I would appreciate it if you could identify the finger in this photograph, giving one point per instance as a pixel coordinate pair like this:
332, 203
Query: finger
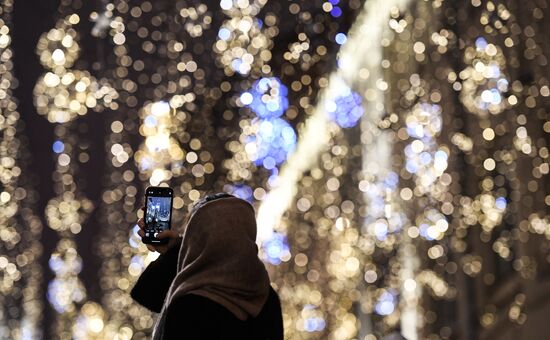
141, 223
151, 248
141, 233
141, 211
166, 234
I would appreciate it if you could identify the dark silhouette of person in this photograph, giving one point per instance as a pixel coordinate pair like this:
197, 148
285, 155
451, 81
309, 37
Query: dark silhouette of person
210, 283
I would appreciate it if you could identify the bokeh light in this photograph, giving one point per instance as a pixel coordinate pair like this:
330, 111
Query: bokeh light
396, 153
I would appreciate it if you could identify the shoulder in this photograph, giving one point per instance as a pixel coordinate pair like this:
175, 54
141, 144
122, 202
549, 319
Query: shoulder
195, 304
269, 323
200, 318
197, 310
188, 313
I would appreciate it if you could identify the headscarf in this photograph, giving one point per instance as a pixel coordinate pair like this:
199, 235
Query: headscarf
218, 260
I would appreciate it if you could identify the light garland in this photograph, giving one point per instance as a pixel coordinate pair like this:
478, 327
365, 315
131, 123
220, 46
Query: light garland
419, 170
20, 227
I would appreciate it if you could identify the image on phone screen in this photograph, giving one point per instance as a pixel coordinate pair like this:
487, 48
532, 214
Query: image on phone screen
157, 217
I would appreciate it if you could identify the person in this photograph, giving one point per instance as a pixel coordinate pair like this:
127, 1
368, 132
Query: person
210, 283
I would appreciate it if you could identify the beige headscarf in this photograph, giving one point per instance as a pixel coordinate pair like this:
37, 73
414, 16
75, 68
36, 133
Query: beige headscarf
218, 259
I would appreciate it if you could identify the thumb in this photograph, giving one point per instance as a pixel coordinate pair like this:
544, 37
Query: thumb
167, 234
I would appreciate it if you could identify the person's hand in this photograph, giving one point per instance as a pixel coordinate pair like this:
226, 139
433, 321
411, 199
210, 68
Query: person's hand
161, 248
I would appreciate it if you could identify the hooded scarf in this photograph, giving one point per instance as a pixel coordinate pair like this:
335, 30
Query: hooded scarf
218, 260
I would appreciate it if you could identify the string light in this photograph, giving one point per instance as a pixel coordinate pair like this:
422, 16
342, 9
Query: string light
63, 94
377, 139
20, 226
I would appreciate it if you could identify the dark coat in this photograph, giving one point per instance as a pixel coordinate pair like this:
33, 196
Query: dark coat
196, 317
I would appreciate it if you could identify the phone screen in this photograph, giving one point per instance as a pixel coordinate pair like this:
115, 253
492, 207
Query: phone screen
158, 213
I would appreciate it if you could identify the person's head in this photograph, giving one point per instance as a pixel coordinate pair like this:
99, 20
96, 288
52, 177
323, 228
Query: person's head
219, 257
208, 198
221, 213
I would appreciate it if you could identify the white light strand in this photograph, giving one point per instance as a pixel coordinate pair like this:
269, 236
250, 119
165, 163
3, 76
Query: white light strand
363, 50
356, 53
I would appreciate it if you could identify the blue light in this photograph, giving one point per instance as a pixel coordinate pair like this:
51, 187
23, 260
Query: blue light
133, 243
53, 288
336, 12
334, 2
150, 121
441, 156
58, 146
502, 84
346, 109
268, 98
381, 230
392, 180
314, 324
135, 234
224, 33
423, 228
481, 43
385, 304
275, 139
411, 166
137, 261
495, 96
494, 71
269, 163
425, 158
501, 203
415, 130
377, 205
56, 263
272, 180
340, 38
275, 248
146, 163
236, 64
242, 191
310, 324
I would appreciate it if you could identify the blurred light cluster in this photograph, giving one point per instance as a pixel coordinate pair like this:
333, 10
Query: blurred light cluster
267, 98
276, 249
243, 40
62, 93
270, 139
386, 303
332, 7
66, 289
440, 138
242, 191
432, 176
485, 85
21, 272
160, 148
67, 213
90, 324
345, 110
271, 143
427, 161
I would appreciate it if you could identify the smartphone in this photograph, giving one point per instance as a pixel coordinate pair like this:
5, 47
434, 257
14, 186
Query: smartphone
158, 213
